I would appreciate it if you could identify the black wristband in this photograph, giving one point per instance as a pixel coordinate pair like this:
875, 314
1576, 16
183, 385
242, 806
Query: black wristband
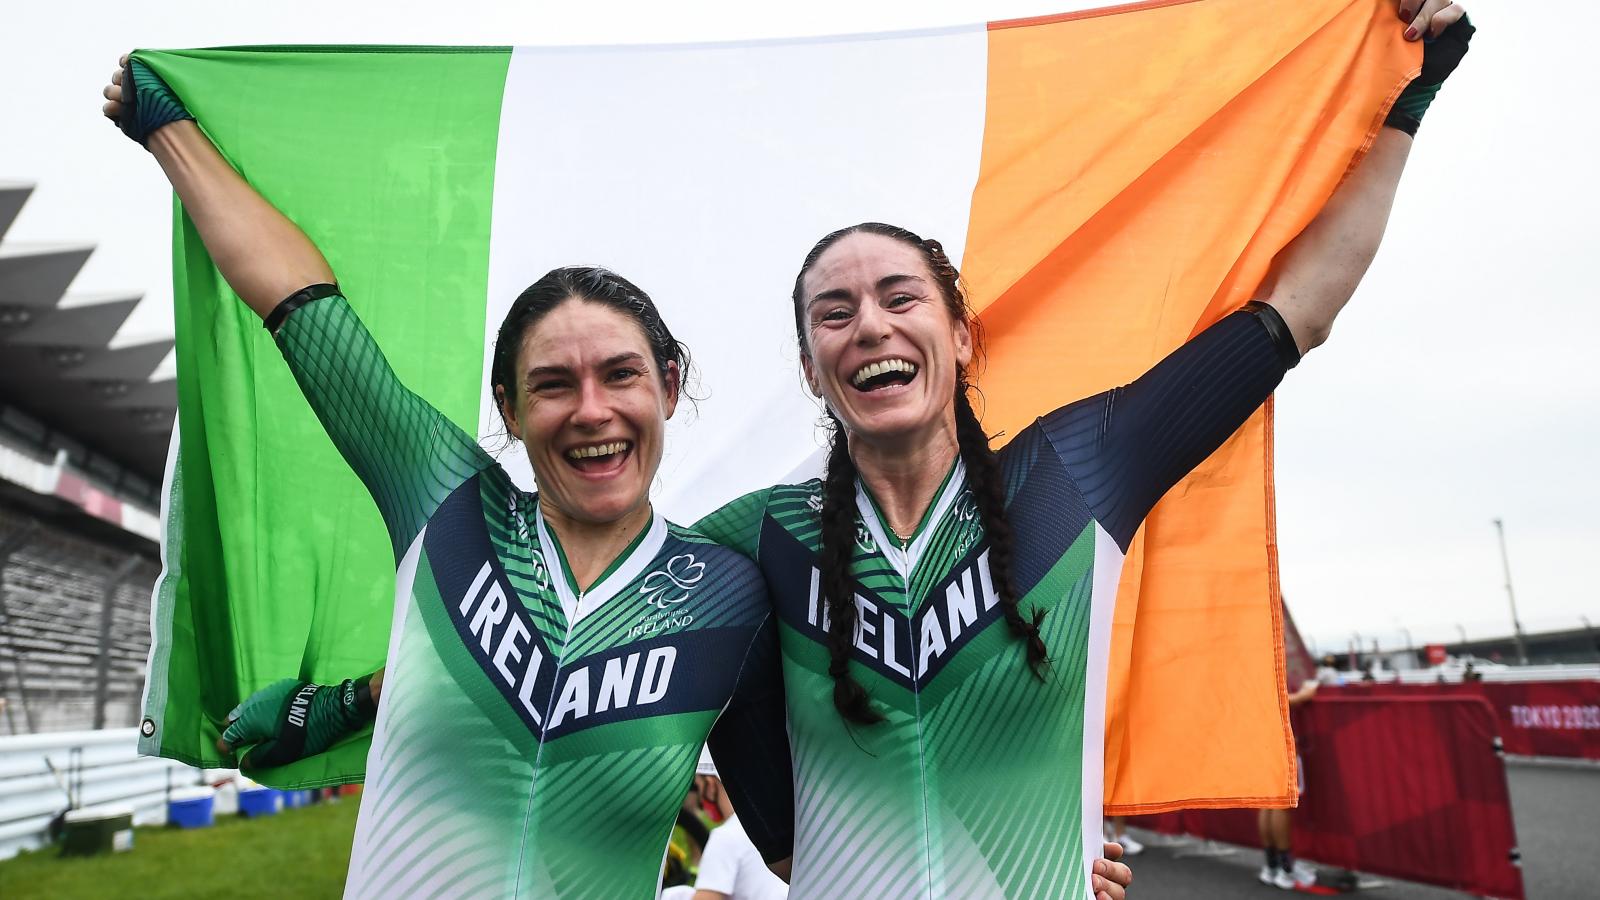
365, 706
294, 301
1277, 330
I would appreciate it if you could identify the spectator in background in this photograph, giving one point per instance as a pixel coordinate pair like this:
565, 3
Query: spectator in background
1116, 829
687, 841
1328, 671
730, 867
692, 819
1280, 869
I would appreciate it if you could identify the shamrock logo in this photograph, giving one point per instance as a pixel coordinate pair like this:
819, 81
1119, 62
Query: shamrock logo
671, 585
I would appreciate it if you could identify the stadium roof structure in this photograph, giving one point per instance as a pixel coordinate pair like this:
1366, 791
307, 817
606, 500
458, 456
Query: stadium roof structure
62, 384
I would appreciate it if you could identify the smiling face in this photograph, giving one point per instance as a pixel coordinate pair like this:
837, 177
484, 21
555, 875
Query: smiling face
882, 346
591, 409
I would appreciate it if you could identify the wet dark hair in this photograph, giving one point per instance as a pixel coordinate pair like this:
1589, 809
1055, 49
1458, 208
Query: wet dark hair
591, 284
838, 491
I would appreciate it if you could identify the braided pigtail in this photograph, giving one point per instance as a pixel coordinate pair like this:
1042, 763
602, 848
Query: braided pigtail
988, 490
838, 539
838, 501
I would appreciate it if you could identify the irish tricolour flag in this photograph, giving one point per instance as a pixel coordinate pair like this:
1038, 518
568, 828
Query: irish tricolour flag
1111, 180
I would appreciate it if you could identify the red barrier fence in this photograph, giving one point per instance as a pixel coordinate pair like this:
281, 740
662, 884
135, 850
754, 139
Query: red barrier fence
1537, 718
1406, 786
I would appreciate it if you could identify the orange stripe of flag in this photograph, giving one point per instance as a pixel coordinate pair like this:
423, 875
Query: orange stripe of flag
1141, 168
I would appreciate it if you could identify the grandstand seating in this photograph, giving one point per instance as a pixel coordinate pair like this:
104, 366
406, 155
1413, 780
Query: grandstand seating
49, 632
83, 437
63, 385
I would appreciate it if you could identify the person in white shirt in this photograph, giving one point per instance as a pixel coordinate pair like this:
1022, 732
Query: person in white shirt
730, 866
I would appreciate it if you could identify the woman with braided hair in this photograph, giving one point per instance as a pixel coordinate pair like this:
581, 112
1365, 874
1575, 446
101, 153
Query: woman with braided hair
934, 595
535, 737
547, 736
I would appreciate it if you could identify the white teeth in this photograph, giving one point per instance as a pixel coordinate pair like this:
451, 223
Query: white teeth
873, 370
597, 450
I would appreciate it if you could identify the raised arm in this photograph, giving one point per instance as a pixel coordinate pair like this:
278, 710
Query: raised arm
1316, 274
1126, 447
408, 454
264, 256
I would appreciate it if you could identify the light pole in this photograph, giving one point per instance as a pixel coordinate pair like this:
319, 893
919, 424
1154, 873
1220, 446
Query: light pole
1516, 623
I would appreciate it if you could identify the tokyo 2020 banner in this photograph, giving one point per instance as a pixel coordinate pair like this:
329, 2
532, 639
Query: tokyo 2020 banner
1536, 718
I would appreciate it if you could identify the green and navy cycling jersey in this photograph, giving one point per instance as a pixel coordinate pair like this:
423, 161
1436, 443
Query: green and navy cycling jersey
984, 780
534, 740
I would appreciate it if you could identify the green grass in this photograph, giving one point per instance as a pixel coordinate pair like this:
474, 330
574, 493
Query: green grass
297, 853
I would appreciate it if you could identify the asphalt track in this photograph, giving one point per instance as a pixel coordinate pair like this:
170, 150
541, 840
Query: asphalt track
1557, 810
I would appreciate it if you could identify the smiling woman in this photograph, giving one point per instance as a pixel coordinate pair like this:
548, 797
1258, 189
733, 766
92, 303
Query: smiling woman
566, 653
602, 376
971, 751
936, 595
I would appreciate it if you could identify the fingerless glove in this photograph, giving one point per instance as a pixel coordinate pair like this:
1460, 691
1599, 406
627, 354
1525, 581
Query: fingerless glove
1440, 56
292, 719
148, 102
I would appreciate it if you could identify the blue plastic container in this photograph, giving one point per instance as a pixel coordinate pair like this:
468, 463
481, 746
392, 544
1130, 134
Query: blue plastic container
260, 801
296, 799
192, 808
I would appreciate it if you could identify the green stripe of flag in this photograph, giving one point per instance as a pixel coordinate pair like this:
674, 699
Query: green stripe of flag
386, 158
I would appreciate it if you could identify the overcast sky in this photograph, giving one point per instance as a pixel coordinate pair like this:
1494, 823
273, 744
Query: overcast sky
1459, 386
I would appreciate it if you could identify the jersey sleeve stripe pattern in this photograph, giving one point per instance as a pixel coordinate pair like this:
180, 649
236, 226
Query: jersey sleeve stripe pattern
408, 454
1127, 447
737, 524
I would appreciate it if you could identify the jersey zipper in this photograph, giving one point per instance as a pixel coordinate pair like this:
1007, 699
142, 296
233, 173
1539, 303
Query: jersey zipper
916, 700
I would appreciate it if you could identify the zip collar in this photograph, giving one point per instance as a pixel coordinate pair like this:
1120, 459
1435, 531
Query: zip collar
904, 556
575, 604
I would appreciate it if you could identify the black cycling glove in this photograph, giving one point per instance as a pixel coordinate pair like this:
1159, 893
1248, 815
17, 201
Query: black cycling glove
1440, 56
148, 103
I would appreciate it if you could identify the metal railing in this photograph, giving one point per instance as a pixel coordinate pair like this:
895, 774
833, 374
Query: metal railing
43, 775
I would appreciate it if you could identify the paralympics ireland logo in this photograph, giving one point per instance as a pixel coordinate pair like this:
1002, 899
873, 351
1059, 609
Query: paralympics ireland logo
864, 539
966, 516
664, 588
